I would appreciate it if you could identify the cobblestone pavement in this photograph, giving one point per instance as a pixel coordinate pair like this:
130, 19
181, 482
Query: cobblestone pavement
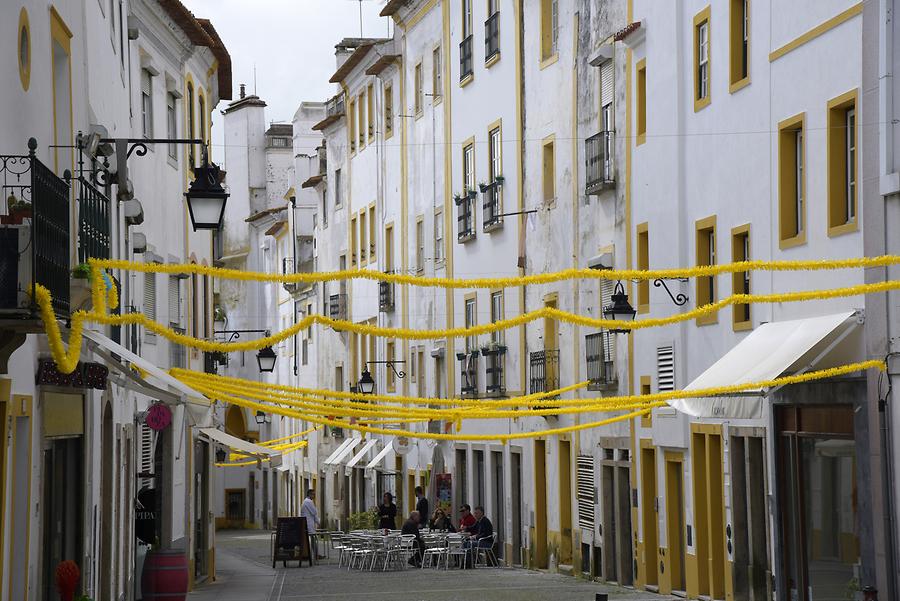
244, 573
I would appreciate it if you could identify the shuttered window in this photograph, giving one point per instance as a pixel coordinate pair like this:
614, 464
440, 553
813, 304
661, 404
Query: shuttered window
146, 454
607, 83
607, 288
586, 491
665, 368
174, 301
150, 302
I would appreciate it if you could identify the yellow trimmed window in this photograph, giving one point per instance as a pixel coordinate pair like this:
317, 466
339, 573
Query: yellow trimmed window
419, 94
390, 349
437, 76
640, 89
739, 44
420, 243
371, 232
706, 255
646, 389
352, 116
389, 248
361, 105
371, 106
353, 248
549, 171
842, 164
549, 29
388, 111
643, 263
363, 231
702, 71
740, 280
791, 182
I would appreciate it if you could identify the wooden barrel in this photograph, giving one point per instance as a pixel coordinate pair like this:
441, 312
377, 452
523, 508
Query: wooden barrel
165, 576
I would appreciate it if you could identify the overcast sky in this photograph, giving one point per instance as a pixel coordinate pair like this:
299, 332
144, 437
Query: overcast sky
289, 42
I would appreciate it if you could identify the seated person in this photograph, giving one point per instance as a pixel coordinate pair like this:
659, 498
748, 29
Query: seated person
411, 526
440, 521
483, 530
466, 519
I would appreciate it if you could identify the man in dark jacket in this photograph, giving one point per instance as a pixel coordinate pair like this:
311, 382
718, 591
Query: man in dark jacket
422, 507
411, 526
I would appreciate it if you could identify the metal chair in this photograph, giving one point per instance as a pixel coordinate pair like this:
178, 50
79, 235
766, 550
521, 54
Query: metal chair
435, 548
486, 553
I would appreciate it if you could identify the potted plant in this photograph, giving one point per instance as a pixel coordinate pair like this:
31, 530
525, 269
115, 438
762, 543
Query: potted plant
457, 199
483, 187
499, 179
473, 194
17, 211
80, 290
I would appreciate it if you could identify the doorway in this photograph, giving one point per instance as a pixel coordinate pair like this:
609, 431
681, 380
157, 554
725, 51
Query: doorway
201, 509
709, 508
516, 504
540, 504
675, 522
748, 516
499, 502
565, 502
649, 523
251, 497
63, 491
265, 499
107, 502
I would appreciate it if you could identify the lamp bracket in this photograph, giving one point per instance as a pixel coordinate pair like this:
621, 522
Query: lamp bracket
679, 299
400, 374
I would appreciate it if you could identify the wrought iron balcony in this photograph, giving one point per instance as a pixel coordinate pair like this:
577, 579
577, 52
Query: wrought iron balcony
544, 371
495, 384
176, 351
288, 267
465, 218
492, 207
34, 236
468, 370
598, 158
599, 357
465, 58
334, 106
492, 36
337, 306
93, 222
386, 296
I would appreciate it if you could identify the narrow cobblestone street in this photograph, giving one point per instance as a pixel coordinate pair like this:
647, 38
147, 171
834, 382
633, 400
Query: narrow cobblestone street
245, 574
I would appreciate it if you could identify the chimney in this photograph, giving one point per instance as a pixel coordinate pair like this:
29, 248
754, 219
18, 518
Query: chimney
243, 90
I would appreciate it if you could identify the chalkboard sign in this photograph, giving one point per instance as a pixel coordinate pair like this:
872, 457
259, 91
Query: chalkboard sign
291, 542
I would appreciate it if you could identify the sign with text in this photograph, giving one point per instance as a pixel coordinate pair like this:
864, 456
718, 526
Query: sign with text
85, 375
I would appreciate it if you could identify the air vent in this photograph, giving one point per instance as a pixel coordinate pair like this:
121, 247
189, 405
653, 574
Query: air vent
665, 368
585, 481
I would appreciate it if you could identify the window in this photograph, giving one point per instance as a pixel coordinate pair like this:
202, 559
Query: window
388, 111
842, 164
439, 236
492, 196
492, 33
389, 248
641, 102
468, 167
706, 255
371, 110
353, 248
62, 96
470, 321
467, 18
549, 29
150, 303
390, 347
549, 170
195, 302
419, 97
436, 75
191, 132
337, 189
371, 232
201, 116
413, 368
740, 280
739, 44
643, 263
352, 115
701, 59
361, 106
420, 243
324, 208
363, 245
497, 315
146, 103
495, 165
171, 124
791, 182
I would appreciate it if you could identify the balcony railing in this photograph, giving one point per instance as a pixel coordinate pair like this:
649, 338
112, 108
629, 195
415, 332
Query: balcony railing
289, 267
599, 358
93, 222
468, 371
598, 158
34, 239
492, 215
385, 296
337, 306
176, 351
494, 383
465, 58
335, 105
544, 371
465, 219
492, 36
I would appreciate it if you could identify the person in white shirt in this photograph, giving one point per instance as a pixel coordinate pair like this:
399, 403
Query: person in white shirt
308, 510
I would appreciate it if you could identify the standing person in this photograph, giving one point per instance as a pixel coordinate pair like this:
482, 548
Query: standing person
308, 510
411, 526
387, 513
466, 519
422, 507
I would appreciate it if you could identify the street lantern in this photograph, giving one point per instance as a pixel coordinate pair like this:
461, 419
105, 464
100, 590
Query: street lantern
366, 384
206, 198
620, 309
260, 417
221, 455
266, 358
220, 322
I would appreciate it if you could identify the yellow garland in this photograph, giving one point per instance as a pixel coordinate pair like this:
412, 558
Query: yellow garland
274, 441
507, 282
67, 360
236, 459
646, 402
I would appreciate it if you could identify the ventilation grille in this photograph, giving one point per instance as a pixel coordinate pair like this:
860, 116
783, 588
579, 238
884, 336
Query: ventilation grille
665, 368
146, 456
586, 490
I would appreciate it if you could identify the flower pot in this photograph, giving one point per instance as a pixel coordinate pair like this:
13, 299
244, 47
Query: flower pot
80, 294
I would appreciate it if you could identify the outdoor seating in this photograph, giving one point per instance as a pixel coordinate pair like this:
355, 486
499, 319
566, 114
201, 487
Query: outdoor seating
484, 552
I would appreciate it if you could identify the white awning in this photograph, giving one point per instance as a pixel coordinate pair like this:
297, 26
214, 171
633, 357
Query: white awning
339, 452
766, 353
381, 455
242, 446
365, 449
